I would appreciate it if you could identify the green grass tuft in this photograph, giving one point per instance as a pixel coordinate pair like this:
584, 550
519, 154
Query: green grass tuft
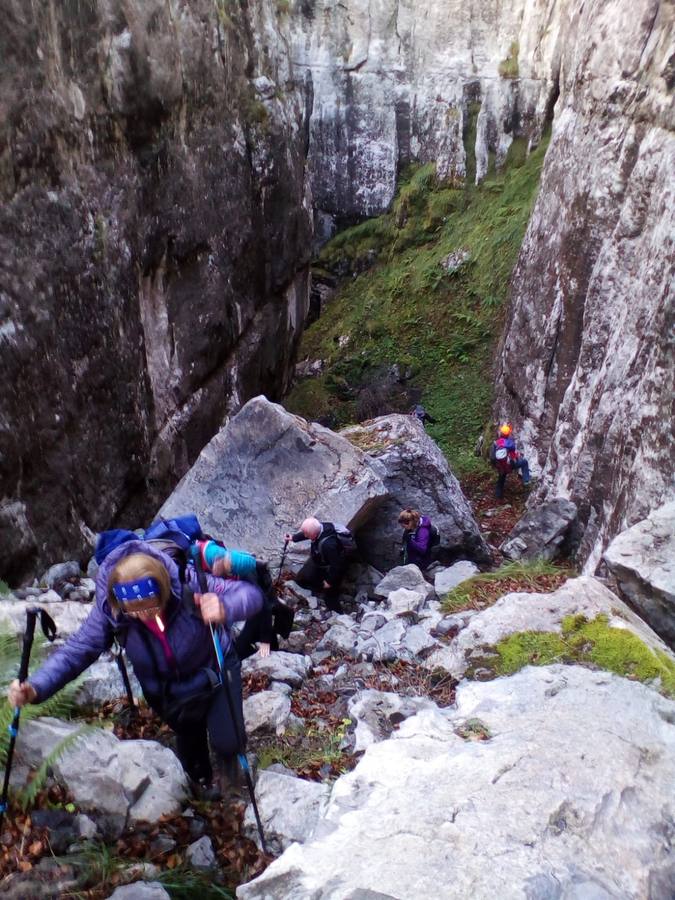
586, 642
509, 67
526, 574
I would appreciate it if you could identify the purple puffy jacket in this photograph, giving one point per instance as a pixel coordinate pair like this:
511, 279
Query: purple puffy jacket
186, 633
417, 543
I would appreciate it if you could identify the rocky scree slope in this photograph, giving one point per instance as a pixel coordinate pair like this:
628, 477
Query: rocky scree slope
153, 234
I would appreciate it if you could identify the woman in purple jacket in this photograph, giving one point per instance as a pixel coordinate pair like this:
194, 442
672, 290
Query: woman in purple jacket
139, 601
416, 538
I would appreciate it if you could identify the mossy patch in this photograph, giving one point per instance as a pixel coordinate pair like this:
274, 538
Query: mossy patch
593, 643
473, 730
508, 68
406, 311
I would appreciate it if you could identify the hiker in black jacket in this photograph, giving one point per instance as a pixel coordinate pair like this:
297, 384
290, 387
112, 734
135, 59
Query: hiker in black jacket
325, 568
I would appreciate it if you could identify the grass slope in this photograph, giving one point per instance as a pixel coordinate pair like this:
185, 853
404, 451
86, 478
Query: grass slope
407, 310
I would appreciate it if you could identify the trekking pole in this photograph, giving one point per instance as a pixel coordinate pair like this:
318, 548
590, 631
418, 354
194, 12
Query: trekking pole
49, 629
283, 559
243, 761
125, 679
225, 678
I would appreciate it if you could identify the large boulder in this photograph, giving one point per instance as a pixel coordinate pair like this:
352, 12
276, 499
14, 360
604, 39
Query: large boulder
416, 474
546, 532
266, 470
122, 781
517, 612
568, 795
642, 559
289, 808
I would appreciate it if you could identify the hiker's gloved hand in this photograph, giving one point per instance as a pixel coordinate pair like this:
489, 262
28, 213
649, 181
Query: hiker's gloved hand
326, 586
264, 649
21, 694
212, 610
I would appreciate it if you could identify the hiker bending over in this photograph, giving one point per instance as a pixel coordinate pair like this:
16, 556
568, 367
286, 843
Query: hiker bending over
329, 558
418, 538
260, 632
505, 457
420, 413
140, 601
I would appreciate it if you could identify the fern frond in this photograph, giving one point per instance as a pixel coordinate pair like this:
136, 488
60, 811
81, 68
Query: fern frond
29, 793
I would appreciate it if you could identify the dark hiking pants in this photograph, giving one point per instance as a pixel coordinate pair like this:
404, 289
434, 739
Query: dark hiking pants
218, 729
312, 577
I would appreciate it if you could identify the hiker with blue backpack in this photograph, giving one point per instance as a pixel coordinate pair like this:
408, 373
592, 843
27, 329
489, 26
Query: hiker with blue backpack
174, 624
420, 537
330, 553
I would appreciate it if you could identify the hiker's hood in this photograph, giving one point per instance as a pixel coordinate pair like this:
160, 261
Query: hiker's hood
124, 550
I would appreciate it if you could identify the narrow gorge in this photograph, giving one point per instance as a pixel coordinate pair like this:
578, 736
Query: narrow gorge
240, 242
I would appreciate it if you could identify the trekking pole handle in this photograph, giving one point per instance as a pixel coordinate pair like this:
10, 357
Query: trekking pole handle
28, 636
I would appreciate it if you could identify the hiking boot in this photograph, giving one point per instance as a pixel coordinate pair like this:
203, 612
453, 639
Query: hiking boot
206, 790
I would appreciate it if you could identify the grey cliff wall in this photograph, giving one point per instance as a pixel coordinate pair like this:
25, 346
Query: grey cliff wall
586, 363
397, 80
154, 236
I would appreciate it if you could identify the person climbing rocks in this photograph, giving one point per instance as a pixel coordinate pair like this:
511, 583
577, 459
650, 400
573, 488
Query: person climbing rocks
140, 602
260, 632
506, 458
330, 553
419, 538
420, 413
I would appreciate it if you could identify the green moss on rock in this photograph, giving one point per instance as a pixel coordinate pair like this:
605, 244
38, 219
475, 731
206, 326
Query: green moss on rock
593, 643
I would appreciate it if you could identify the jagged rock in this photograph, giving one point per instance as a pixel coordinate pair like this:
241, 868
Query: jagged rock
289, 808
296, 469
447, 579
266, 712
67, 615
57, 574
642, 559
290, 668
201, 854
378, 713
140, 890
416, 642
408, 577
134, 780
541, 612
102, 682
382, 645
574, 775
416, 474
403, 600
545, 532
455, 260
339, 638
584, 368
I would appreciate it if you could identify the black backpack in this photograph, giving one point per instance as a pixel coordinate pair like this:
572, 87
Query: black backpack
435, 538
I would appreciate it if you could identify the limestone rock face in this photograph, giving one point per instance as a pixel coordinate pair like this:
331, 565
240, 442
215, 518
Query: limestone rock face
585, 366
545, 532
400, 80
415, 474
266, 471
575, 774
154, 232
642, 559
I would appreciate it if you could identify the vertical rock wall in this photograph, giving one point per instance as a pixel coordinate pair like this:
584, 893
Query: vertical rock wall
586, 363
154, 236
397, 80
